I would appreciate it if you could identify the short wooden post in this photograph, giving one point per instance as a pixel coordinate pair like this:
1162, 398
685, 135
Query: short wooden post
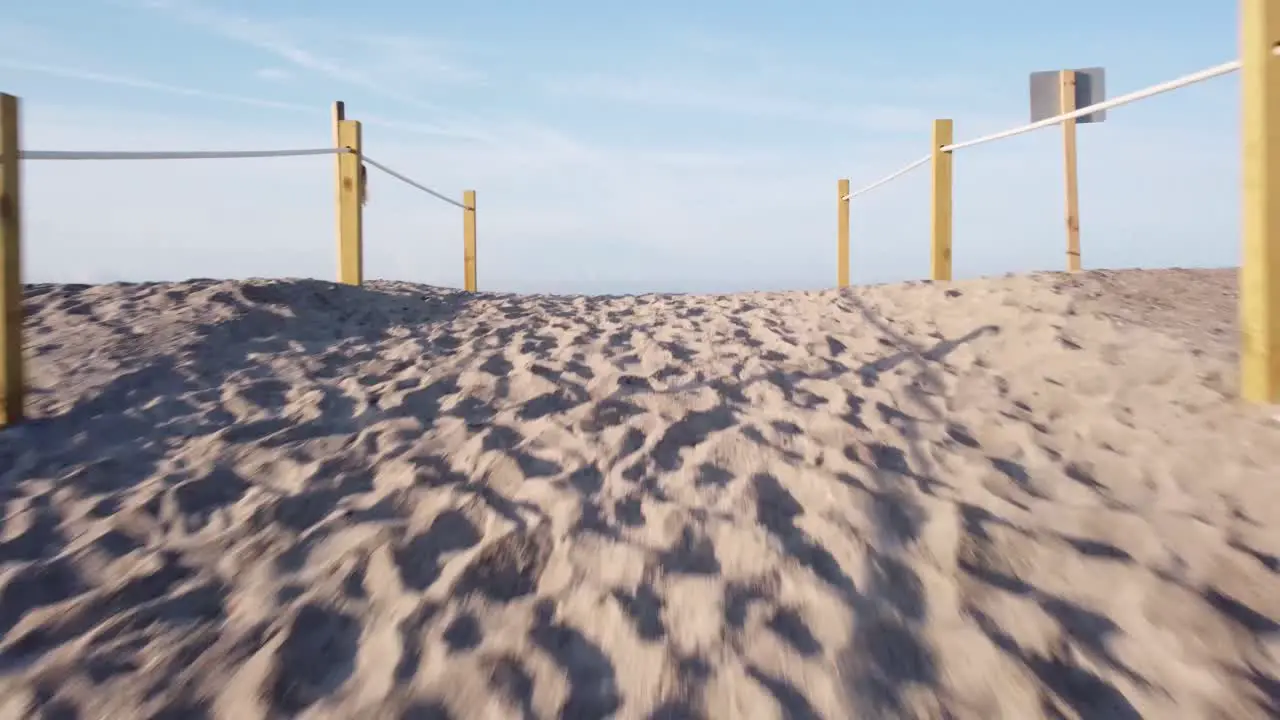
350, 209
12, 377
842, 233
1067, 94
940, 211
469, 240
1260, 264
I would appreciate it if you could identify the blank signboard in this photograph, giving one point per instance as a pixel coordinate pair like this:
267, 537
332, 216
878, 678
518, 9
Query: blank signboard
1046, 100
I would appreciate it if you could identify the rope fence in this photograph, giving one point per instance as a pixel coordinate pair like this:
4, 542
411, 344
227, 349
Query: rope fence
351, 182
411, 183
1259, 65
171, 155
1186, 80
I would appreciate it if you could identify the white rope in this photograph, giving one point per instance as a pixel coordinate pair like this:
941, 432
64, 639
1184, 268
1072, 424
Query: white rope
407, 181
1207, 74
1213, 72
176, 155
887, 178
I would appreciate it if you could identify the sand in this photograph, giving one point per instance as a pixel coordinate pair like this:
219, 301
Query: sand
1014, 498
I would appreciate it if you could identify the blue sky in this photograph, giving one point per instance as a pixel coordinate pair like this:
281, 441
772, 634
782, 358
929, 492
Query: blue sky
614, 147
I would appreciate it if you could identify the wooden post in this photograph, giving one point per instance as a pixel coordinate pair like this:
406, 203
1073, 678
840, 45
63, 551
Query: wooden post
1067, 94
842, 234
12, 389
1260, 265
940, 212
469, 240
350, 210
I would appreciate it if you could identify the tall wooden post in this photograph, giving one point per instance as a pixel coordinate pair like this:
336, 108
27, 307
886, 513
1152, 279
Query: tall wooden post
842, 233
350, 208
1067, 93
469, 240
12, 377
1260, 264
940, 207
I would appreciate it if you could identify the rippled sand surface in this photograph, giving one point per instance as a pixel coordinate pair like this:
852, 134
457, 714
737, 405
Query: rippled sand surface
1012, 498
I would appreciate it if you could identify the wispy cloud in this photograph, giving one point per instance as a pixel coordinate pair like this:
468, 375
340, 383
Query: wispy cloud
102, 78
743, 70
410, 60
33, 40
273, 74
370, 71
662, 93
395, 67
137, 83
727, 74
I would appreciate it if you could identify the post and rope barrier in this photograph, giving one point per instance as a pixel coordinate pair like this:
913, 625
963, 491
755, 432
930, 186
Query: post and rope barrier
351, 196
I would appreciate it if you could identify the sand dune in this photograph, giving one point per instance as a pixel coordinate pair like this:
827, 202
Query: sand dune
1015, 498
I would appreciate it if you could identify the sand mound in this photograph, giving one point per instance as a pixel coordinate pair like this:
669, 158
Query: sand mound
1015, 498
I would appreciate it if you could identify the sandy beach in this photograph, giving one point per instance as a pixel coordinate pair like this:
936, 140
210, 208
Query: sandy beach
1024, 497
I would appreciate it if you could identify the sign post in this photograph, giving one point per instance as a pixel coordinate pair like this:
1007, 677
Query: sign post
1056, 93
